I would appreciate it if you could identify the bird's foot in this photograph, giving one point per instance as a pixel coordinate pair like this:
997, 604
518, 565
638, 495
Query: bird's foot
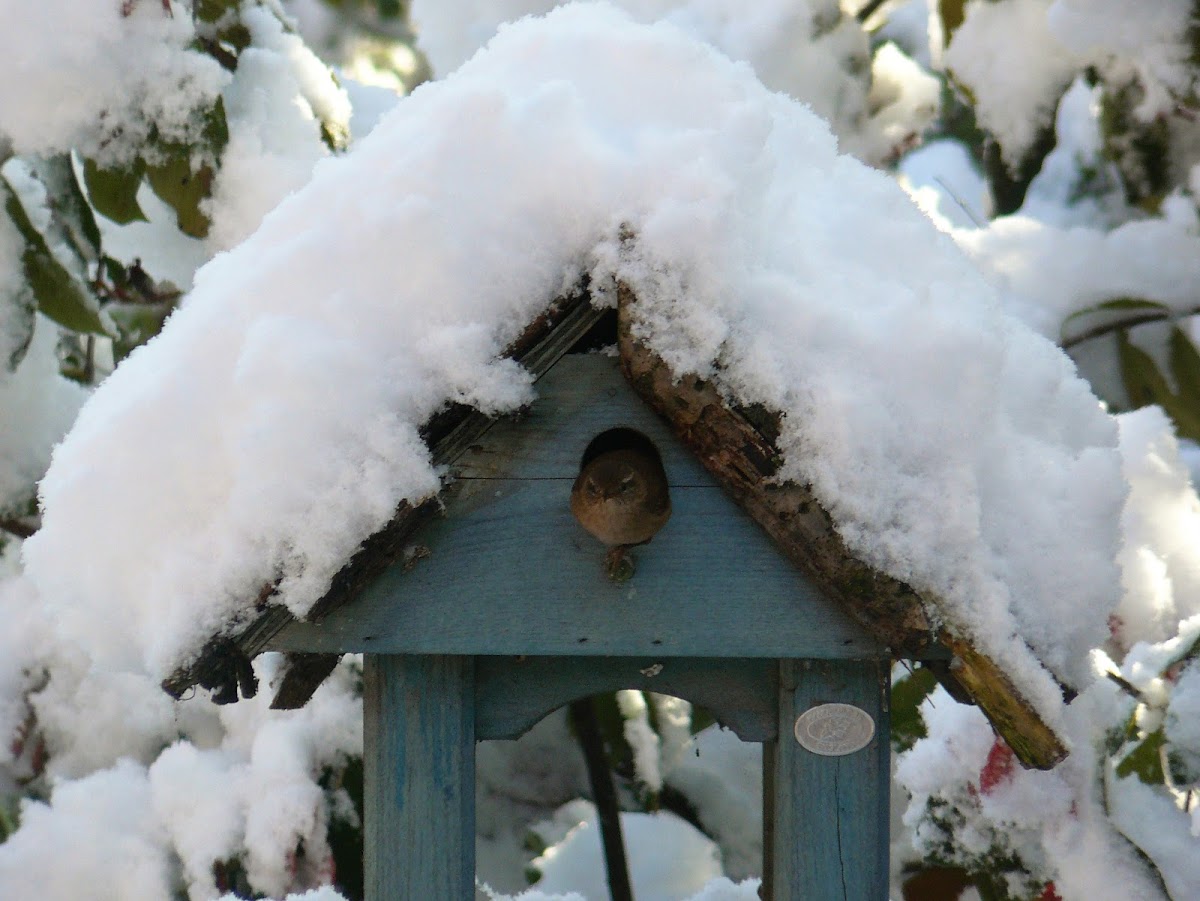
619, 564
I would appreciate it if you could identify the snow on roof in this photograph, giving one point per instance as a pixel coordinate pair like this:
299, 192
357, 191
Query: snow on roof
274, 424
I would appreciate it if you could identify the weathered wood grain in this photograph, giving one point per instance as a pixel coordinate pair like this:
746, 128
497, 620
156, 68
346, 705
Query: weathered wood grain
419, 778
737, 446
512, 572
827, 834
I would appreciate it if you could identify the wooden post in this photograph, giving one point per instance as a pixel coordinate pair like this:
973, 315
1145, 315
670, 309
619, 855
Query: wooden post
419, 777
826, 817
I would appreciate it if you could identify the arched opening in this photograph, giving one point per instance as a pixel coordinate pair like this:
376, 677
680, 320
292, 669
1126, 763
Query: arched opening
689, 791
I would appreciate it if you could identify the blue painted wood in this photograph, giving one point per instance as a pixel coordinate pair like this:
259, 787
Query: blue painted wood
583, 395
512, 694
510, 571
827, 826
419, 772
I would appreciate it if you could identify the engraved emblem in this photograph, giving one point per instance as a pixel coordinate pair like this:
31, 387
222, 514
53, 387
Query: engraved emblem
833, 730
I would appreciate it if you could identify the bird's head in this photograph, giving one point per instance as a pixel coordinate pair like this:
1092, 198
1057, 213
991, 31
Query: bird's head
613, 480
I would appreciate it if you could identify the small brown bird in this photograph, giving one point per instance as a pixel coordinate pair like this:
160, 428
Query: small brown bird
621, 494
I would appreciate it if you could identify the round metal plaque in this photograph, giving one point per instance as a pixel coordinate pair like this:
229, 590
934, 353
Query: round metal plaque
834, 729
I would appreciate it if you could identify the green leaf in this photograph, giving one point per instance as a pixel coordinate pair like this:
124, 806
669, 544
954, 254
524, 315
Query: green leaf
389, 9
60, 295
1146, 385
211, 11
9, 818
114, 191
183, 190
136, 324
951, 13
1143, 382
1185, 369
1145, 760
907, 695
216, 129
184, 186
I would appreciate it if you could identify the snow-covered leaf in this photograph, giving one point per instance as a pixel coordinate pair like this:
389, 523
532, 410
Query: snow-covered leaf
1145, 760
60, 295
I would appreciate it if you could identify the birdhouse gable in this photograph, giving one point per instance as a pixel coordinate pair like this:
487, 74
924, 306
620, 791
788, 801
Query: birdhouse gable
506, 569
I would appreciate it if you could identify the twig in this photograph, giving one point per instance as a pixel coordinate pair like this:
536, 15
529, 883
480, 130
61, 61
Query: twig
1126, 686
962, 205
583, 713
869, 10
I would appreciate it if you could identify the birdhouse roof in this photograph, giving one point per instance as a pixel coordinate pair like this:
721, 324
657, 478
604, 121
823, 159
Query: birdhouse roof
295, 411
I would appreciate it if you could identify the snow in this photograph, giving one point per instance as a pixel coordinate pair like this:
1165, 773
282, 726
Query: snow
669, 859
811, 50
945, 184
37, 405
722, 777
324, 893
1053, 822
275, 104
1077, 185
1160, 554
916, 28
274, 425
107, 820
1155, 40
1014, 68
1047, 272
1155, 824
978, 447
1017, 57
76, 58
904, 99
642, 738
188, 782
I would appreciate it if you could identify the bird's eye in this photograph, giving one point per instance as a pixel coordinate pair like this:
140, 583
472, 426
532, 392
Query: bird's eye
627, 484
592, 488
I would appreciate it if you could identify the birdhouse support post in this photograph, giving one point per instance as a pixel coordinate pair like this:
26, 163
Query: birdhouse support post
825, 828
419, 776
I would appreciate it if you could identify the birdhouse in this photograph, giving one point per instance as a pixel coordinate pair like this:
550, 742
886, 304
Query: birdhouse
502, 609
480, 611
